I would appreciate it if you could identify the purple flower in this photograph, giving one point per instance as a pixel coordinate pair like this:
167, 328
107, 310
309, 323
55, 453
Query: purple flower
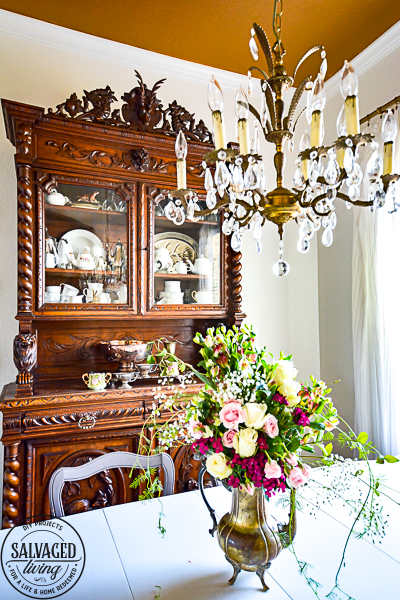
300, 417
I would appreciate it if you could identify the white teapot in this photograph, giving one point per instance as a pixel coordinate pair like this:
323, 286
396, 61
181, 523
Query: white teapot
201, 266
162, 259
55, 198
85, 260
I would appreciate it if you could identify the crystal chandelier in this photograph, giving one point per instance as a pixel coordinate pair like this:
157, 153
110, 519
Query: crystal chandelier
236, 186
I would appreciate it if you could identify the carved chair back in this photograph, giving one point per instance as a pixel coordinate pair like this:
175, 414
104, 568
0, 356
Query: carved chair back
112, 460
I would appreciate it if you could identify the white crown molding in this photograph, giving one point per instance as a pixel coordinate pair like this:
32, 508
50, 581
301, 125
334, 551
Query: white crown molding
384, 45
54, 36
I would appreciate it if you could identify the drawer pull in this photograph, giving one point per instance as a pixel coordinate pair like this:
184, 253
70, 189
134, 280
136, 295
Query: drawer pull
88, 421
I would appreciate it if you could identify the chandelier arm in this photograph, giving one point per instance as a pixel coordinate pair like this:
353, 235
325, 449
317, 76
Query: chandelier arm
255, 112
265, 45
263, 73
295, 100
305, 56
297, 120
354, 202
270, 103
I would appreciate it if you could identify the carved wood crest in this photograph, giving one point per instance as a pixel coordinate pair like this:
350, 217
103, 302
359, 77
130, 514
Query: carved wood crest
141, 111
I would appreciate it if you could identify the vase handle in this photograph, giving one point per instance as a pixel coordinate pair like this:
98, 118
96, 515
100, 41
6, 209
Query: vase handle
290, 527
210, 510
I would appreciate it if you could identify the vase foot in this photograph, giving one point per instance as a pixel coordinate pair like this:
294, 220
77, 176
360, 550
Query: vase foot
236, 570
260, 572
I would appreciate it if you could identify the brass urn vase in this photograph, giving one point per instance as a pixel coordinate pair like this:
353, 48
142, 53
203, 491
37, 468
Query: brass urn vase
247, 539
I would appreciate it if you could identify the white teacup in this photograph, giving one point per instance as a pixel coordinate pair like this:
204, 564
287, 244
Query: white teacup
89, 294
105, 298
76, 299
53, 289
69, 290
202, 297
51, 297
181, 268
51, 260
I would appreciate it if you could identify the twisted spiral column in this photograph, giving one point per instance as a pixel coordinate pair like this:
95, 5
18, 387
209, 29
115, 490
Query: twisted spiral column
25, 238
11, 486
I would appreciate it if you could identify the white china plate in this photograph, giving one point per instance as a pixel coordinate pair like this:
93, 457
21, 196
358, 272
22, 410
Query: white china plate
182, 245
81, 238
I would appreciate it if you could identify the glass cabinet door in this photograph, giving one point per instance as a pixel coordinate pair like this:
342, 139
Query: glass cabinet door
85, 250
187, 259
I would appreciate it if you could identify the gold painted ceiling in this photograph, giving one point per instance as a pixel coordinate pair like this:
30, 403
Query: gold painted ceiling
216, 32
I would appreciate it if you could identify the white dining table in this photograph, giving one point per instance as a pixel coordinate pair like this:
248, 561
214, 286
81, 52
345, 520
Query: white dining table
127, 557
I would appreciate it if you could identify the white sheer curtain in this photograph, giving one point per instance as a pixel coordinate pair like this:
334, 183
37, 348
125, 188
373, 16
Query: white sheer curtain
376, 319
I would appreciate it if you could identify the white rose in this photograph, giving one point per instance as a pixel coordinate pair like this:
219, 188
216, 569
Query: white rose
285, 369
245, 442
255, 415
290, 390
217, 467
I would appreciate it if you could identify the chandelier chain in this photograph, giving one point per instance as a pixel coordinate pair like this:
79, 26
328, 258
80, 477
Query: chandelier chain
277, 20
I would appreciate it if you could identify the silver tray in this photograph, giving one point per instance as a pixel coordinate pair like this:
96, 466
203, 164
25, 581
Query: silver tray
177, 243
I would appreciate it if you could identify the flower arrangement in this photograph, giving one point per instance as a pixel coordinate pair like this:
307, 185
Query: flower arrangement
254, 417
256, 426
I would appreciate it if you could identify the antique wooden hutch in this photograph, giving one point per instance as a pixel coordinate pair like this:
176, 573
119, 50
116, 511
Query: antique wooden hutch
123, 163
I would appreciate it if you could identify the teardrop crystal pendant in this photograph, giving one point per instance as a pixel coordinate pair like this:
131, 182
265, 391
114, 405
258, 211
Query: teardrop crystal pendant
251, 177
332, 171
323, 68
249, 85
253, 48
222, 177
236, 241
237, 179
298, 179
306, 230
348, 160
332, 220
240, 211
211, 199
281, 268
356, 176
354, 192
208, 180
375, 166
314, 173
257, 232
190, 210
291, 145
303, 245
179, 216
349, 205
263, 111
170, 210
227, 226
327, 237
259, 246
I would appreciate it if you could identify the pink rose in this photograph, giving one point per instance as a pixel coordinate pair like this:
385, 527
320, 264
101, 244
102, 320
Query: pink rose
297, 477
272, 470
306, 471
292, 460
231, 415
239, 400
271, 426
195, 428
227, 438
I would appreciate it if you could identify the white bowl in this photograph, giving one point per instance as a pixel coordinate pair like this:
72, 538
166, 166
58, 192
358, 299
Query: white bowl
69, 290
53, 289
172, 286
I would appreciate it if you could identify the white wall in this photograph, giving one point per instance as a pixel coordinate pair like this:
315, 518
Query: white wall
378, 68
42, 64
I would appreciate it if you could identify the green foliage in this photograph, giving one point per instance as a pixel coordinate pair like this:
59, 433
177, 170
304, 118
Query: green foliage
157, 595
362, 437
148, 477
391, 459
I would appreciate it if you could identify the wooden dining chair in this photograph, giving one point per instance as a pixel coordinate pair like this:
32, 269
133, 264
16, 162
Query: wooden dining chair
113, 460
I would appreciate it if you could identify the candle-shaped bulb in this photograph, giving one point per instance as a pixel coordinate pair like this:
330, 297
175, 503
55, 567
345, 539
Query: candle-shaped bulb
215, 97
341, 123
318, 98
389, 127
349, 81
241, 104
305, 141
180, 145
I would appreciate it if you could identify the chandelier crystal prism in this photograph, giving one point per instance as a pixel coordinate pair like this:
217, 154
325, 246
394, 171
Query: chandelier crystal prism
234, 178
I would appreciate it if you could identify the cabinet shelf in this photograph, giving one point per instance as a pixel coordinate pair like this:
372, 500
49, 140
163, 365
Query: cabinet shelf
74, 272
80, 210
163, 220
175, 276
